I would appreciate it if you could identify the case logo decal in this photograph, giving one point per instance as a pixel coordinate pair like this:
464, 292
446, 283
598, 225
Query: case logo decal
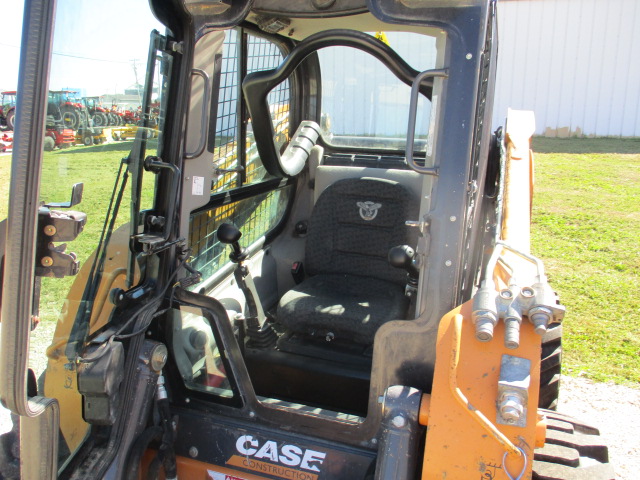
368, 210
285, 461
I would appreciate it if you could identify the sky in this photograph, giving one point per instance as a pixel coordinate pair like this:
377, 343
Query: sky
95, 48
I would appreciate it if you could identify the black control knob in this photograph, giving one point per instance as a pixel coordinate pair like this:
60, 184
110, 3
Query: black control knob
402, 257
230, 234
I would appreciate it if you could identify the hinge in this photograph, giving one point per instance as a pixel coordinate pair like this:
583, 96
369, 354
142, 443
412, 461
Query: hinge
177, 47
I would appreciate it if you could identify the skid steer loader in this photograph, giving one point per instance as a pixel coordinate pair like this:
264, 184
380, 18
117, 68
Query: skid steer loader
319, 270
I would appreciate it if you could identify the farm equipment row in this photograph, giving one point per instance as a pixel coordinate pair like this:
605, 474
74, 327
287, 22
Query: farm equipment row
72, 120
72, 109
76, 112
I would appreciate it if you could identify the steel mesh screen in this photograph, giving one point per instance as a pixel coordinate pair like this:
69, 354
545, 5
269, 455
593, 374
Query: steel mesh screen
225, 154
262, 54
259, 214
254, 216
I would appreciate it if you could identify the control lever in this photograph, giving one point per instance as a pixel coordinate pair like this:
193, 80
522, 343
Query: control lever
259, 331
402, 256
230, 235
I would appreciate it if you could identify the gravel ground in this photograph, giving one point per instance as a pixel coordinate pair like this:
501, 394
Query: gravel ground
614, 409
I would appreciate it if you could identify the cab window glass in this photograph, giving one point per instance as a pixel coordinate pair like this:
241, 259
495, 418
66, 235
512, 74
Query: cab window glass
364, 104
94, 119
198, 353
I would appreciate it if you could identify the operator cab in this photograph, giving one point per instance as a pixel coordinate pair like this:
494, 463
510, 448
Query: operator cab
308, 294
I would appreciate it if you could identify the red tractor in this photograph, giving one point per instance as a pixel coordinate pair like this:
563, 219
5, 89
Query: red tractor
98, 113
116, 116
7, 110
64, 106
131, 115
57, 134
6, 141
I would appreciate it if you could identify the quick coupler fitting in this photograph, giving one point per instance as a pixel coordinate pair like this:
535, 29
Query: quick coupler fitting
540, 317
485, 315
485, 324
512, 323
161, 392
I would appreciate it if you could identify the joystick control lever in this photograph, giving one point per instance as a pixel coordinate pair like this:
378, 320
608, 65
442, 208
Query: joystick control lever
258, 331
230, 235
402, 257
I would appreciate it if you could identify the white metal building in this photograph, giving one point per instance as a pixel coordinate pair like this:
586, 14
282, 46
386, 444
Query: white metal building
575, 63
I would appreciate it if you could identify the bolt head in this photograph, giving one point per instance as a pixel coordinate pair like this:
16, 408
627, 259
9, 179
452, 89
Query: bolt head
159, 357
398, 421
541, 329
511, 408
46, 261
50, 230
193, 452
540, 317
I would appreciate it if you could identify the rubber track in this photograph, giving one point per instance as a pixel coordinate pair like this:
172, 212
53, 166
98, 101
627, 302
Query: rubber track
573, 451
551, 364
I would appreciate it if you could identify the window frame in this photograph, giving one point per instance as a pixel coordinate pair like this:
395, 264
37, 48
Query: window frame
242, 112
332, 148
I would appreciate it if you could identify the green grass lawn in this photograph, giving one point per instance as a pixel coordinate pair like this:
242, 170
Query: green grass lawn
586, 227
97, 168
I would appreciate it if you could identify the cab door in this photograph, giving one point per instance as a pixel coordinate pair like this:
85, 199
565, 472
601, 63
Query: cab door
62, 209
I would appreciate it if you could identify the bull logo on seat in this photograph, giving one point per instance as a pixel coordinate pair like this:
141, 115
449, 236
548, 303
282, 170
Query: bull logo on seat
368, 210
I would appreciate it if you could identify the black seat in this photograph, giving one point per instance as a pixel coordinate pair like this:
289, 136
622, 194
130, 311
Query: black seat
352, 289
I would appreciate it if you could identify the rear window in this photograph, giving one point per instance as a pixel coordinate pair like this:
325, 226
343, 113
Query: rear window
364, 104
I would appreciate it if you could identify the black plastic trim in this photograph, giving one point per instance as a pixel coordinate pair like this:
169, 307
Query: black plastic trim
242, 193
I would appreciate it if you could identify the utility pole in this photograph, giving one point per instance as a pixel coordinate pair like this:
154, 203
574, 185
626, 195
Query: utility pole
135, 73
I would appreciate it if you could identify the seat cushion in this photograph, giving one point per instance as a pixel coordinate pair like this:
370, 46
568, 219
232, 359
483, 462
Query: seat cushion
349, 306
354, 224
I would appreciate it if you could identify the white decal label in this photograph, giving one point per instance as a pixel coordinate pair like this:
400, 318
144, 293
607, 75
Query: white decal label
211, 475
197, 186
263, 457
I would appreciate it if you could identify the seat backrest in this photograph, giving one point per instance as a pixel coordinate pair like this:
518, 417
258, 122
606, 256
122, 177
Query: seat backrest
354, 224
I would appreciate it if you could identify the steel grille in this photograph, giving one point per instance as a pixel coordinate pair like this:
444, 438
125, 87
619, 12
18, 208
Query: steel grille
259, 214
254, 216
225, 154
262, 54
